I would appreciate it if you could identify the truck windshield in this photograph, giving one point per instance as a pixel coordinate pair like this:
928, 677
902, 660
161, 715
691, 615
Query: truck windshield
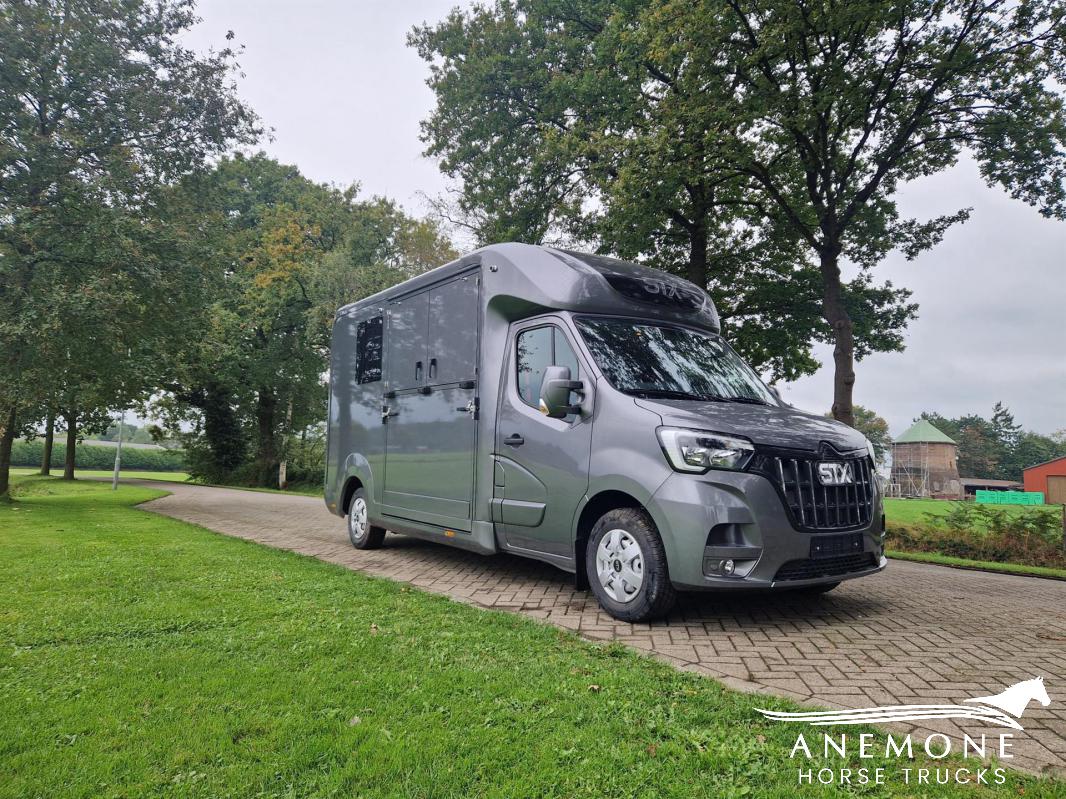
651, 360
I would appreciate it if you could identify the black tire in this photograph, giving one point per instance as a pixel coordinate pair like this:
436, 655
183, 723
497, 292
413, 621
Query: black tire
817, 590
370, 537
655, 596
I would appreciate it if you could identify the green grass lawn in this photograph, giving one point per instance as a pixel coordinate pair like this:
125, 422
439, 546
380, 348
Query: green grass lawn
142, 656
913, 511
170, 477
127, 474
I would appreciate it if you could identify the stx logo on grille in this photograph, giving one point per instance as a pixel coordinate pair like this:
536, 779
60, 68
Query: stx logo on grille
834, 473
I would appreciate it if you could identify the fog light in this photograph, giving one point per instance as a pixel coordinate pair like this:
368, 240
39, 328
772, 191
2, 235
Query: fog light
727, 567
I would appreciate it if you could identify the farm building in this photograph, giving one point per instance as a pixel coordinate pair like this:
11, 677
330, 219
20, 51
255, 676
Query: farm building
1049, 478
971, 485
925, 464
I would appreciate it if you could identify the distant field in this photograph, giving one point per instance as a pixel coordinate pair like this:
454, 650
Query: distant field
912, 511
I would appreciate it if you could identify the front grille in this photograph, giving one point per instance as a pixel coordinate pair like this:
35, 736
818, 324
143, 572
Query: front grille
826, 567
815, 507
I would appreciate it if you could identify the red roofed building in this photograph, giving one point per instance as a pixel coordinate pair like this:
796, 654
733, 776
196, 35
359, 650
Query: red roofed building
1049, 478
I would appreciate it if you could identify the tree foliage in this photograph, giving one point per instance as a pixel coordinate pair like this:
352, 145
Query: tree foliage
875, 428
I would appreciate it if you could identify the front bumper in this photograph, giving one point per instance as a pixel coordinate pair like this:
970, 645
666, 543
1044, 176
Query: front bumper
706, 519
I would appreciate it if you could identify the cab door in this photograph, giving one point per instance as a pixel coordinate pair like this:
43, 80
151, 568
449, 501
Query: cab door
542, 464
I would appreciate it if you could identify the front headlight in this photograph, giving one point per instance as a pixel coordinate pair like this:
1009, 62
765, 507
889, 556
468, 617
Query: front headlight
870, 449
700, 450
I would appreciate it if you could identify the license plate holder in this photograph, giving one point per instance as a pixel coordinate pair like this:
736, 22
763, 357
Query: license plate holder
832, 546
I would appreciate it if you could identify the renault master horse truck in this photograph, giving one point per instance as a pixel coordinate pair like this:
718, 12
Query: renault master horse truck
586, 412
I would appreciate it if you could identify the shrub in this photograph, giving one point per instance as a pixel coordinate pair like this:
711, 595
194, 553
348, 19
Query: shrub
88, 456
307, 457
305, 453
1031, 536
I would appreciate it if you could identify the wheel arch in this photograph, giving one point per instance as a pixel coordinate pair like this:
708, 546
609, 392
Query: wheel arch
597, 505
351, 485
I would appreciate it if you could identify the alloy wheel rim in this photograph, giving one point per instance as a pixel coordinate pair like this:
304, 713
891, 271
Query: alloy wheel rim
357, 519
620, 565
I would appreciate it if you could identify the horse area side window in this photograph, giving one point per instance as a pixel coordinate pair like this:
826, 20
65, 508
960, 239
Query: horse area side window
368, 347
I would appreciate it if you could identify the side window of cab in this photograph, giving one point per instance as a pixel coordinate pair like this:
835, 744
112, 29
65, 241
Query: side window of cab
535, 350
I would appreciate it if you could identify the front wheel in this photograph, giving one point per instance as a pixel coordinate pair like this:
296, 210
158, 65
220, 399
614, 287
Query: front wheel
360, 531
626, 565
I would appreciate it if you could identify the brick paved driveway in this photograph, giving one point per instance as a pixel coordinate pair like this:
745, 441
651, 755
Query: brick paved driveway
913, 634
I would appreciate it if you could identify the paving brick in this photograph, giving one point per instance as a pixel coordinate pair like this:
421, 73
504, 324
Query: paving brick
915, 634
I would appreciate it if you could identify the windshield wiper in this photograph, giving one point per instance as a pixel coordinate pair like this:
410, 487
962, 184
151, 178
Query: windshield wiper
745, 400
672, 394
665, 393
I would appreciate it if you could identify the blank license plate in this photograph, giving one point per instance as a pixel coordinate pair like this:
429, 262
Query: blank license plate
831, 546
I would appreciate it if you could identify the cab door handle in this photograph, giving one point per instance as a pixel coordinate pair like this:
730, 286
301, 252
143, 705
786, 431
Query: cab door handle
514, 440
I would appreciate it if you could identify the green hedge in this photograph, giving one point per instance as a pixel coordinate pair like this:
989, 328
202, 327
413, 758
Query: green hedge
87, 456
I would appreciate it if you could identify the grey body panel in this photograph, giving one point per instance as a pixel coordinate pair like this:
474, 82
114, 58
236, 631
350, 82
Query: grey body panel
429, 464
431, 356
356, 437
770, 426
451, 477
407, 322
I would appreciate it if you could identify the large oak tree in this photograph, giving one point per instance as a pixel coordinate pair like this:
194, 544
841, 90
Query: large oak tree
100, 106
282, 253
756, 146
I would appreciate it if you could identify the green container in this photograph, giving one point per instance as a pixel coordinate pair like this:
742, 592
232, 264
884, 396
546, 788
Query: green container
1010, 497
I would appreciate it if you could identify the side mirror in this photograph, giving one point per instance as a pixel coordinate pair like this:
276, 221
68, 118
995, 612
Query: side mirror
555, 388
777, 394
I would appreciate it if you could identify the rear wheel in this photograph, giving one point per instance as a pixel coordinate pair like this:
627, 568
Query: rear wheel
626, 566
360, 531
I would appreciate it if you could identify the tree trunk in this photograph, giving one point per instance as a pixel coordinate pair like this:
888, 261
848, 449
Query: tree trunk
283, 467
843, 338
221, 429
71, 418
7, 441
49, 443
267, 453
697, 258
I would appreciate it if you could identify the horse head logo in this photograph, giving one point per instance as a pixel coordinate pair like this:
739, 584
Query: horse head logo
1016, 699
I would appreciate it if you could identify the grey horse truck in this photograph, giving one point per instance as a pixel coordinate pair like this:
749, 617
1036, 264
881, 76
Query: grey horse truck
585, 411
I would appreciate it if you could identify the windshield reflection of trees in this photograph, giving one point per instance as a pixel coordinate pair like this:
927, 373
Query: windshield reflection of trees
648, 358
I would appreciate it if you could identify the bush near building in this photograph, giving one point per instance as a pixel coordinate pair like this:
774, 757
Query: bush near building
87, 456
1026, 536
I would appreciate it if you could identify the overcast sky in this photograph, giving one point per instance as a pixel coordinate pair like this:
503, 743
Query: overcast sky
344, 95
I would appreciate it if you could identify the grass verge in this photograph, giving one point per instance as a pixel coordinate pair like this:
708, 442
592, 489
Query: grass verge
979, 565
143, 656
